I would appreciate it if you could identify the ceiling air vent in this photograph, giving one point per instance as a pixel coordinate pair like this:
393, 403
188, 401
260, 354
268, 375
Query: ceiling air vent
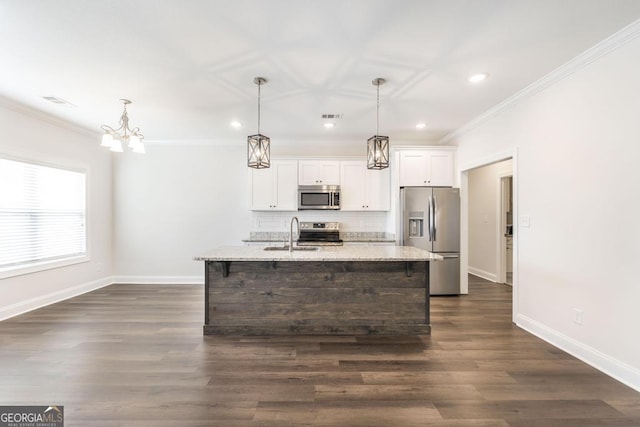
332, 116
59, 101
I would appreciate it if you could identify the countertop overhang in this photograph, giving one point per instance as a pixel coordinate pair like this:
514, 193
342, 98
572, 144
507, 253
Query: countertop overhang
325, 253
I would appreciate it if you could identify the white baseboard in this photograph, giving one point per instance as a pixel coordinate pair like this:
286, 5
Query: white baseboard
161, 280
483, 274
621, 371
52, 298
44, 300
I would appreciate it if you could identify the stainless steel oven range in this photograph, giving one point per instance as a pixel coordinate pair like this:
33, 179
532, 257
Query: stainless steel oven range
319, 234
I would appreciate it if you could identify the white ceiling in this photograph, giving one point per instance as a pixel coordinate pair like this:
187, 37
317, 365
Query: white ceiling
188, 66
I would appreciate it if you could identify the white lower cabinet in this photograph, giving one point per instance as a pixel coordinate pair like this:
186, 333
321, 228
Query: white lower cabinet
363, 189
509, 254
275, 188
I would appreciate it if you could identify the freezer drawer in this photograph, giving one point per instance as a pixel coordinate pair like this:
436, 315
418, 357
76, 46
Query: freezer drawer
444, 276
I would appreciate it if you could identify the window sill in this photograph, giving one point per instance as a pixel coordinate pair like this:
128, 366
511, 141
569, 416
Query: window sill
42, 266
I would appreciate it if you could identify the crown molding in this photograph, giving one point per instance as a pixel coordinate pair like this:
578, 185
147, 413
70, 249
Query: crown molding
32, 112
405, 147
611, 43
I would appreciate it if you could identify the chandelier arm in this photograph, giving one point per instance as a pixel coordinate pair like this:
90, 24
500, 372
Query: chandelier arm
136, 131
123, 126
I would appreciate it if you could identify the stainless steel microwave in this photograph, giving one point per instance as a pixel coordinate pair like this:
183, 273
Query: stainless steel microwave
318, 197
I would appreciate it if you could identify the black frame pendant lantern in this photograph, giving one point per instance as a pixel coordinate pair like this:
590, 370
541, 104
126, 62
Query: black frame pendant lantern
378, 145
258, 145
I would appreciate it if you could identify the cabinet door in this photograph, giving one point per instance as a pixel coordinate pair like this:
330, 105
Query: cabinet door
330, 173
378, 189
262, 189
362, 188
509, 254
308, 172
413, 168
285, 185
426, 168
440, 169
353, 186
319, 172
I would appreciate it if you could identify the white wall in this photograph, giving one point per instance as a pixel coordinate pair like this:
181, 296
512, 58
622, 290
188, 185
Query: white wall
30, 135
577, 175
181, 199
484, 218
175, 202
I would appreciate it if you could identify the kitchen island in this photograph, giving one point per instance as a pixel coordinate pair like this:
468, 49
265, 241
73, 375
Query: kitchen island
332, 290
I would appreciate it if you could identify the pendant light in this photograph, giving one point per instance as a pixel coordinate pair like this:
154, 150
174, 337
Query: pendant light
258, 145
377, 145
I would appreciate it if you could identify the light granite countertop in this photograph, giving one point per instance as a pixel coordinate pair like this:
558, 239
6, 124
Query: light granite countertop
325, 253
349, 236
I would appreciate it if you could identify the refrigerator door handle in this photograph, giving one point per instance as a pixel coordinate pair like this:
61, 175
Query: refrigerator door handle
430, 219
402, 217
435, 218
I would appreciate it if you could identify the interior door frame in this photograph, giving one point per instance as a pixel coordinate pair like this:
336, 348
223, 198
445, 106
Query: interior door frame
501, 258
463, 179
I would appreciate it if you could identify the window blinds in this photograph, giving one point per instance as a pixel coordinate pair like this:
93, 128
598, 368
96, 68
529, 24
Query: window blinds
42, 214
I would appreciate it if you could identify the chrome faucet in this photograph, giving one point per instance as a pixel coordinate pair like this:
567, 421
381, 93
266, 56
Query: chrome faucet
291, 232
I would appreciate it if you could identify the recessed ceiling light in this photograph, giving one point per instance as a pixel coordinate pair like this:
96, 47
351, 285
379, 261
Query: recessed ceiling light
477, 78
329, 125
421, 125
236, 124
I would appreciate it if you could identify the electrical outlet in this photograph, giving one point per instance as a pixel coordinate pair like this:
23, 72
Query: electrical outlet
577, 316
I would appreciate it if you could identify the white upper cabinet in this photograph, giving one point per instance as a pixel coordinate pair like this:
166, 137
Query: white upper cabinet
426, 168
319, 172
363, 189
275, 188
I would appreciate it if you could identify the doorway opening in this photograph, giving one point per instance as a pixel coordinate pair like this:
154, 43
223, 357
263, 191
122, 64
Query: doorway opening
488, 212
505, 257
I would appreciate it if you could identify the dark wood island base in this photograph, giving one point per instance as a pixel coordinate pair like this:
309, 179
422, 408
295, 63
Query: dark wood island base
316, 297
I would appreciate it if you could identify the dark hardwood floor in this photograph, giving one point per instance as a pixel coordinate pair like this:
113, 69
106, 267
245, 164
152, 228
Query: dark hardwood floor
134, 355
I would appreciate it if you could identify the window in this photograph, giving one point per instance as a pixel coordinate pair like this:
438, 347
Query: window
42, 216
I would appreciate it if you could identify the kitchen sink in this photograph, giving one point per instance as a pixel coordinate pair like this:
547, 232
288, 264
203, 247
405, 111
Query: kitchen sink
295, 248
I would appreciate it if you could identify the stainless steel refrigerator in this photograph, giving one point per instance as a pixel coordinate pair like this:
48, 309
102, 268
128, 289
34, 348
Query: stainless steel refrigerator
431, 221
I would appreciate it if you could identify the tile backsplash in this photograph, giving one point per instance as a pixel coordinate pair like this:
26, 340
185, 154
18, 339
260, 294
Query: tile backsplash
349, 221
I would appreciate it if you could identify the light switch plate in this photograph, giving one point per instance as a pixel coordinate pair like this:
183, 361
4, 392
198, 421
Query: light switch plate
525, 221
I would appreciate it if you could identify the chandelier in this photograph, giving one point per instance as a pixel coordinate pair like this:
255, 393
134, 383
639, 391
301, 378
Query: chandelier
114, 138
377, 145
258, 145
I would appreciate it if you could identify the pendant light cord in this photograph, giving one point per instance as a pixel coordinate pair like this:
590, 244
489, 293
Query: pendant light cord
259, 84
377, 108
